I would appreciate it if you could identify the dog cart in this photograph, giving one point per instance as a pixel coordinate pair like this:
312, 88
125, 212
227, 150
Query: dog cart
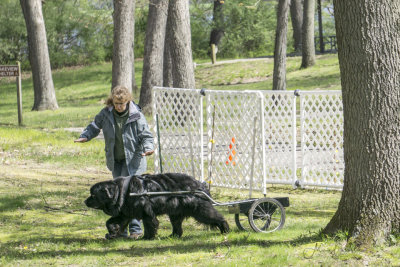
264, 215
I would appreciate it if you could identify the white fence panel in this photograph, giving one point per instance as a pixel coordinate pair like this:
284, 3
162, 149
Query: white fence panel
280, 136
234, 122
321, 116
254, 137
180, 123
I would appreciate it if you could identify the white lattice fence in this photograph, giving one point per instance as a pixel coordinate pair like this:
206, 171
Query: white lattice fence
254, 137
233, 123
321, 116
180, 121
280, 137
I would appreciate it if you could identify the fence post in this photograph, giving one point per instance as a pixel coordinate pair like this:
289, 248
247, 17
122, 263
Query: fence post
262, 130
295, 179
19, 94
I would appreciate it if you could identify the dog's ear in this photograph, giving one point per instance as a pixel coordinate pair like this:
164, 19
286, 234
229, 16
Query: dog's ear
114, 193
110, 192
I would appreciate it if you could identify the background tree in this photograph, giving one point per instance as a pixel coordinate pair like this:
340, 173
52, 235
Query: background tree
153, 52
13, 37
217, 31
123, 39
135, 88
167, 64
45, 96
180, 45
79, 32
249, 28
320, 29
279, 80
368, 37
308, 49
296, 14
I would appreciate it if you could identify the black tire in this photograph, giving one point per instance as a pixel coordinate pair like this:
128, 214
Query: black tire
242, 222
266, 215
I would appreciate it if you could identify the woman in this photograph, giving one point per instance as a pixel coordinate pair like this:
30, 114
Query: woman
127, 139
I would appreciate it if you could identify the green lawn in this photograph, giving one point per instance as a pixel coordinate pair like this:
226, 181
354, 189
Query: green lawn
45, 177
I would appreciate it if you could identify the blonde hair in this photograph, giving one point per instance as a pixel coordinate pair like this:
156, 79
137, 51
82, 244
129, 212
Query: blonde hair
120, 93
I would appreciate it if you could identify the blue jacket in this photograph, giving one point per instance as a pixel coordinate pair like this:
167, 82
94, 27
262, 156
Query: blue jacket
135, 134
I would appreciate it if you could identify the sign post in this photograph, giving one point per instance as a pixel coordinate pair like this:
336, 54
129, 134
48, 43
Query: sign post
14, 71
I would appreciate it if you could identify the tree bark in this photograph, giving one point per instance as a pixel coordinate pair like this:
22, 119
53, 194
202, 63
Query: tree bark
279, 81
135, 88
296, 13
368, 37
167, 64
122, 49
44, 93
153, 52
320, 30
181, 46
308, 49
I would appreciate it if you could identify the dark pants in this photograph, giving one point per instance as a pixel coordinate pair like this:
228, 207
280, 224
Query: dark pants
120, 169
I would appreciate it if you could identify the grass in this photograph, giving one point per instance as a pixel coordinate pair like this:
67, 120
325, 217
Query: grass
44, 178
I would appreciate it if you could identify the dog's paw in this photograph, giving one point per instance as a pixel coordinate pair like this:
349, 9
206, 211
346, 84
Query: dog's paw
109, 237
175, 235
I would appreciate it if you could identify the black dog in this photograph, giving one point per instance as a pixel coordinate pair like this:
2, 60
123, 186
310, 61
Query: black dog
113, 198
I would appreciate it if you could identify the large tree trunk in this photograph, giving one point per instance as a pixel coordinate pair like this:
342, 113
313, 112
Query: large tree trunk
153, 52
279, 81
135, 88
168, 65
308, 49
122, 49
181, 46
45, 96
296, 13
368, 37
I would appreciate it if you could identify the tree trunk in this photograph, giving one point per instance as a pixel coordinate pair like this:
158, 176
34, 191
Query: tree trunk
153, 52
369, 56
135, 88
308, 49
320, 30
167, 68
279, 82
181, 47
218, 25
44, 93
122, 49
296, 13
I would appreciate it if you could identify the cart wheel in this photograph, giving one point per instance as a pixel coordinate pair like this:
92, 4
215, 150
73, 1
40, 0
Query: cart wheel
266, 215
242, 222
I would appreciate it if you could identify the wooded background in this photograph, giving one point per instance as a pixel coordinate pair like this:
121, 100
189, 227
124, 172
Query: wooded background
81, 32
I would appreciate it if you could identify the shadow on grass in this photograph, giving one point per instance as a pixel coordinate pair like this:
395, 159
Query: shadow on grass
304, 82
77, 102
10, 203
310, 213
139, 248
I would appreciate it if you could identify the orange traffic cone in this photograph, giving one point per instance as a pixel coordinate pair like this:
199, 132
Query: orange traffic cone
232, 153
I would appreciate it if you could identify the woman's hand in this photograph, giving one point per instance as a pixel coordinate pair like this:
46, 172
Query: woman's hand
148, 153
80, 140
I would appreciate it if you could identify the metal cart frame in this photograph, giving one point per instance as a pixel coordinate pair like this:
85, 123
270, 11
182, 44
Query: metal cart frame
264, 215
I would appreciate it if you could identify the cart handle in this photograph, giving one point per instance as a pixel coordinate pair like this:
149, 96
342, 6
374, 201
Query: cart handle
215, 203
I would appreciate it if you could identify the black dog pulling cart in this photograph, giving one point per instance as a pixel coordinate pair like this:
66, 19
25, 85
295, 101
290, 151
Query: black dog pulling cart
264, 214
